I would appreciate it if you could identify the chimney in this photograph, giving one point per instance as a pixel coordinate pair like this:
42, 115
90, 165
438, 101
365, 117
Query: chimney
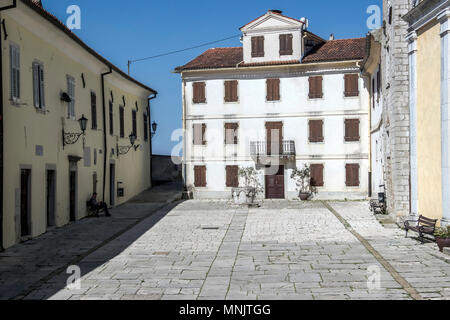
331, 36
275, 11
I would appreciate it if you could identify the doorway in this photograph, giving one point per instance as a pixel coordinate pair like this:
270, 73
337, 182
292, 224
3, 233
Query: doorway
73, 192
25, 202
51, 197
112, 184
275, 185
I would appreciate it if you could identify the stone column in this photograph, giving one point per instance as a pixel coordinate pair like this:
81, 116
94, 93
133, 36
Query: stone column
443, 17
412, 54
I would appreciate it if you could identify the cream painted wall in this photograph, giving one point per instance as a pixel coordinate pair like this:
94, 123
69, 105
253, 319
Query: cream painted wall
27, 127
429, 121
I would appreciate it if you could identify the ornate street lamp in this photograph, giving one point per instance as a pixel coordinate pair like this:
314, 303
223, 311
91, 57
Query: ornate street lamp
72, 138
124, 150
154, 127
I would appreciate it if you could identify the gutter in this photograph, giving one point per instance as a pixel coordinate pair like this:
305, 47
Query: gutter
105, 146
14, 4
149, 125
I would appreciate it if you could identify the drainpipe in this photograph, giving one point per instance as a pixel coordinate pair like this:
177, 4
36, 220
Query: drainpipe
184, 163
105, 146
150, 137
14, 4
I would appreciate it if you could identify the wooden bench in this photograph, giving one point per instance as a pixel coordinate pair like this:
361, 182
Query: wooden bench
423, 226
92, 212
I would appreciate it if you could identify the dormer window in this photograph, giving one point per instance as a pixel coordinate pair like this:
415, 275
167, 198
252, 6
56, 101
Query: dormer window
257, 46
285, 44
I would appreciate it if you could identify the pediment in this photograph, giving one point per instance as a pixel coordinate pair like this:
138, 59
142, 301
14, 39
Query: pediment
271, 21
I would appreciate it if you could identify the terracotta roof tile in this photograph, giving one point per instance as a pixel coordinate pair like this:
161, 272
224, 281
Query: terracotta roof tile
336, 50
215, 58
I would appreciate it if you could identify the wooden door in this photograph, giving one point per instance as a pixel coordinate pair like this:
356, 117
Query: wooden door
274, 130
73, 195
275, 185
25, 192
51, 176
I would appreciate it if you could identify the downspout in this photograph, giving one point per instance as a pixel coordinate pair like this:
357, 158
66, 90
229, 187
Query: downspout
14, 4
105, 146
149, 125
184, 134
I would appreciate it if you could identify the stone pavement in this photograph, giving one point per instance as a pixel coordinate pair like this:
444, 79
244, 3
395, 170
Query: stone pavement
284, 250
28, 265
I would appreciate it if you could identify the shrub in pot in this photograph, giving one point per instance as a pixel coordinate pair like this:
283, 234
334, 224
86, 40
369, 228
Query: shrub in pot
442, 236
302, 179
252, 186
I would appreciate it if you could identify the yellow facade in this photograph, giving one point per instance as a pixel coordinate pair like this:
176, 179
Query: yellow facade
429, 120
33, 137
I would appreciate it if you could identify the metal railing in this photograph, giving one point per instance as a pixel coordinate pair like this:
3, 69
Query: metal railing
263, 148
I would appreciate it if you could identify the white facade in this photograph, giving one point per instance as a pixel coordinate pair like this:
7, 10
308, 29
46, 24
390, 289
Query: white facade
294, 110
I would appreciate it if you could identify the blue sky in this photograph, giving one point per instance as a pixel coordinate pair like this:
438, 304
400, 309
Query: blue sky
126, 30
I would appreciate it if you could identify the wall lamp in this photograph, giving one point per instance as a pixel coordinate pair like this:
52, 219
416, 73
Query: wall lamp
72, 138
154, 127
124, 150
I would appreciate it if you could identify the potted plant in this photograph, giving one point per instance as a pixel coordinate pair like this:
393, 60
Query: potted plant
252, 186
442, 236
302, 179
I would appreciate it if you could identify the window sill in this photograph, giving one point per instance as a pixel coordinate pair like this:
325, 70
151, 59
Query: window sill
41, 110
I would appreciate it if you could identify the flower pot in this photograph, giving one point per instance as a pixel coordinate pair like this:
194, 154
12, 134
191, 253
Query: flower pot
304, 196
443, 243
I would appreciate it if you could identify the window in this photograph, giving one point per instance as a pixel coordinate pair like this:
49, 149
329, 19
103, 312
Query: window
273, 89
231, 133
231, 91
199, 92
373, 93
232, 176
316, 131
317, 175
94, 182
71, 93
15, 72
352, 175
351, 85
351, 130
315, 87
94, 110
38, 85
285, 44
134, 122
145, 127
199, 134
378, 83
121, 122
111, 118
257, 47
200, 176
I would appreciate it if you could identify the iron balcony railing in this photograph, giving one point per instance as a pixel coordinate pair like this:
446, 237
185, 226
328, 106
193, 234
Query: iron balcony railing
263, 148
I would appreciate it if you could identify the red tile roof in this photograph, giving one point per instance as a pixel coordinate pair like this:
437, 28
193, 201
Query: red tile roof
338, 50
36, 5
333, 50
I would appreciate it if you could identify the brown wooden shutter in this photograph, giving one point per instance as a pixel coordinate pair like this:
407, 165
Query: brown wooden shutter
227, 91
200, 176
285, 44
352, 175
315, 87
317, 175
351, 85
199, 95
257, 47
231, 94
199, 133
273, 89
316, 131
232, 176
231, 133
204, 134
352, 130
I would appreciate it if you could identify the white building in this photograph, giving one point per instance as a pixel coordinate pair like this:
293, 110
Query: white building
285, 84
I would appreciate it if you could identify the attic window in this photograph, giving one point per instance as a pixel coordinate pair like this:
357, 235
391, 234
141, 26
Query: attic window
257, 46
285, 44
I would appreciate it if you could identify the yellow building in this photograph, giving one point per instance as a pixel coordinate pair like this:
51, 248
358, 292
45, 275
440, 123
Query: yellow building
429, 40
51, 79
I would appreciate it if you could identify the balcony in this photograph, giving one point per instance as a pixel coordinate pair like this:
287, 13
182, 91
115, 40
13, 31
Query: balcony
262, 149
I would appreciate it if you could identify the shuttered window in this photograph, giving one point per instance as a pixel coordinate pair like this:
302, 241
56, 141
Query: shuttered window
351, 85
38, 85
231, 133
352, 130
316, 131
231, 91
199, 94
285, 44
199, 134
232, 176
111, 118
317, 175
71, 93
145, 120
94, 110
121, 122
273, 89
15, 71
315, 87
257, 47
134, 122
200, 176
352, 175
